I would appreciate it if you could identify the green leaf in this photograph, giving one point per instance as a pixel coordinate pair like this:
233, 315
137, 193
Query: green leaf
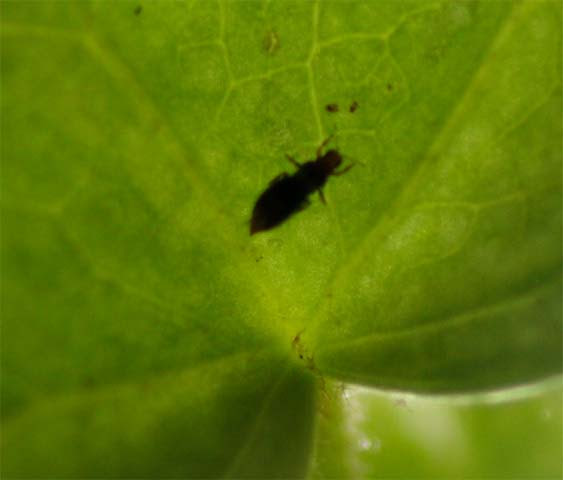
208, 421
483, 436
145, 333
456, 281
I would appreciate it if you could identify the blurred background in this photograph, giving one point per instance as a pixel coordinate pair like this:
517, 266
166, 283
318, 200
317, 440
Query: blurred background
509, 434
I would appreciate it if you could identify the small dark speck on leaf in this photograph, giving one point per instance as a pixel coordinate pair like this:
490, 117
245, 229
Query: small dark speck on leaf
259, 258
138, 10
332, 107
354, 106
271, 42
389, 87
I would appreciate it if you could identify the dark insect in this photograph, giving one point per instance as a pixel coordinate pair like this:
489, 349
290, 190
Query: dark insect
288, 194
354, 106
332, 107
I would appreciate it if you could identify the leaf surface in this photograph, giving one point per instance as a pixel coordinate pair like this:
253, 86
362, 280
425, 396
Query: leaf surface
485, 436
141, 323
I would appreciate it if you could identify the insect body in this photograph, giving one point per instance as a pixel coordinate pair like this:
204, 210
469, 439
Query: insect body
288, 194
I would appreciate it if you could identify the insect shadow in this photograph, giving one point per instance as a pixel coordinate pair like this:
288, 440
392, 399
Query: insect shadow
288, 194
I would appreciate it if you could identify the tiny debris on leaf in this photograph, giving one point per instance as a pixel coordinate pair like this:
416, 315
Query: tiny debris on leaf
271, 42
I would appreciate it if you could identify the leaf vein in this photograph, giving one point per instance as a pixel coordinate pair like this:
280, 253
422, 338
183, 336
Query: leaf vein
386, 220
512, 301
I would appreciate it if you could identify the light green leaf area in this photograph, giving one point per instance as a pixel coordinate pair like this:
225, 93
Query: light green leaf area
145, 333
404, 436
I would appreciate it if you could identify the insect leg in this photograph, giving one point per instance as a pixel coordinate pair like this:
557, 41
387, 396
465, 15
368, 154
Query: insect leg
322, 195
293, 161
344, 170
322, 145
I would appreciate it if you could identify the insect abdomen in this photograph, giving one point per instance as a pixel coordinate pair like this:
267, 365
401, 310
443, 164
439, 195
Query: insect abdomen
277, 204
